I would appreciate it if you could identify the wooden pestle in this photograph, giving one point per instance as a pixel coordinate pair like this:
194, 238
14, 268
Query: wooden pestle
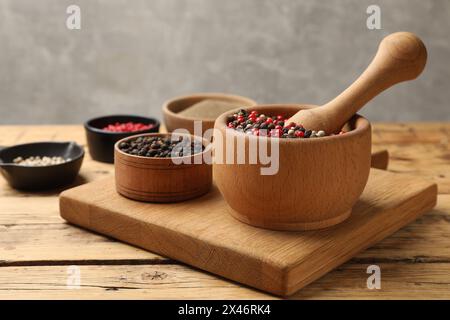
401, 56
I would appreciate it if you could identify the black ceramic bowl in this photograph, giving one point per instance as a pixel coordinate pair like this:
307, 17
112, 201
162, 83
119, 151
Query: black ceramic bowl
101, 142
42, 177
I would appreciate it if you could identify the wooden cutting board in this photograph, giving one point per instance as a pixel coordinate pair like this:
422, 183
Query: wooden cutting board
201, 233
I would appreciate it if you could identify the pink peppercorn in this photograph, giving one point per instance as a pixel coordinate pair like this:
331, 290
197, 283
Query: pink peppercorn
127, 127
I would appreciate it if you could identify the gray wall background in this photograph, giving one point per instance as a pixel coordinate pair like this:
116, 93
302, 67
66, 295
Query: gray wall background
130, 56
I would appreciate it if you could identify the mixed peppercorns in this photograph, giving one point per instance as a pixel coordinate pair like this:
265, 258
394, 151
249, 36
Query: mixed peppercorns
271, 126
39, 161
128, 127
161, 147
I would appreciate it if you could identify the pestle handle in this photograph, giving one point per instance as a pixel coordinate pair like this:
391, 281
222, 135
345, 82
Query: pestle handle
401, 56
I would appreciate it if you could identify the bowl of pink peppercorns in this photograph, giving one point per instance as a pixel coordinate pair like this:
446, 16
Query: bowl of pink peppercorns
103, 132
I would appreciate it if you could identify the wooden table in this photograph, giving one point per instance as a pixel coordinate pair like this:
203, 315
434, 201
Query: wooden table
37, 246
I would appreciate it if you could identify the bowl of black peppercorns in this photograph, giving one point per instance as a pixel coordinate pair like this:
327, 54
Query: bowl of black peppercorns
163, 167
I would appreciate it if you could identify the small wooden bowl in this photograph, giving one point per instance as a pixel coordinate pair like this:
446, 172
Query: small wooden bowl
160, 179
318, 181
172, 107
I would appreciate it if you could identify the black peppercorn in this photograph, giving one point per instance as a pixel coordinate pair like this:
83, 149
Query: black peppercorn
160, 147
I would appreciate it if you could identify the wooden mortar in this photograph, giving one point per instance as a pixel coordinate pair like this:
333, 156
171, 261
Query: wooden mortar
318, 182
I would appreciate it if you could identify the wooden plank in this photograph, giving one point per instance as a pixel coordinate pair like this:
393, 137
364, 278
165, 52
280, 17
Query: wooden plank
383, 133
419, 148
422, 242
56, 243
17, 134
119, 282
278, 262
425, 160
425, 240
33, 210
415, 139
32, 232
398, 280
405, 133
44, 238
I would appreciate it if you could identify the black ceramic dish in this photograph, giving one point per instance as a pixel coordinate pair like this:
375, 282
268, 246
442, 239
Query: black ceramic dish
41, 177
101, 143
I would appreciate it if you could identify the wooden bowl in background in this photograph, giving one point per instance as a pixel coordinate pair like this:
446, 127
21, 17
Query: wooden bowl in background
172, 107
160, 179
318, 181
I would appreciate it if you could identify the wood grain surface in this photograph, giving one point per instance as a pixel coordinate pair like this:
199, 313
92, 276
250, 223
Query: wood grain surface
37, 246
276, 262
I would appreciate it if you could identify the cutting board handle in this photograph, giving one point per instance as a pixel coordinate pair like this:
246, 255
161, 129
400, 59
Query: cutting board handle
380, 159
